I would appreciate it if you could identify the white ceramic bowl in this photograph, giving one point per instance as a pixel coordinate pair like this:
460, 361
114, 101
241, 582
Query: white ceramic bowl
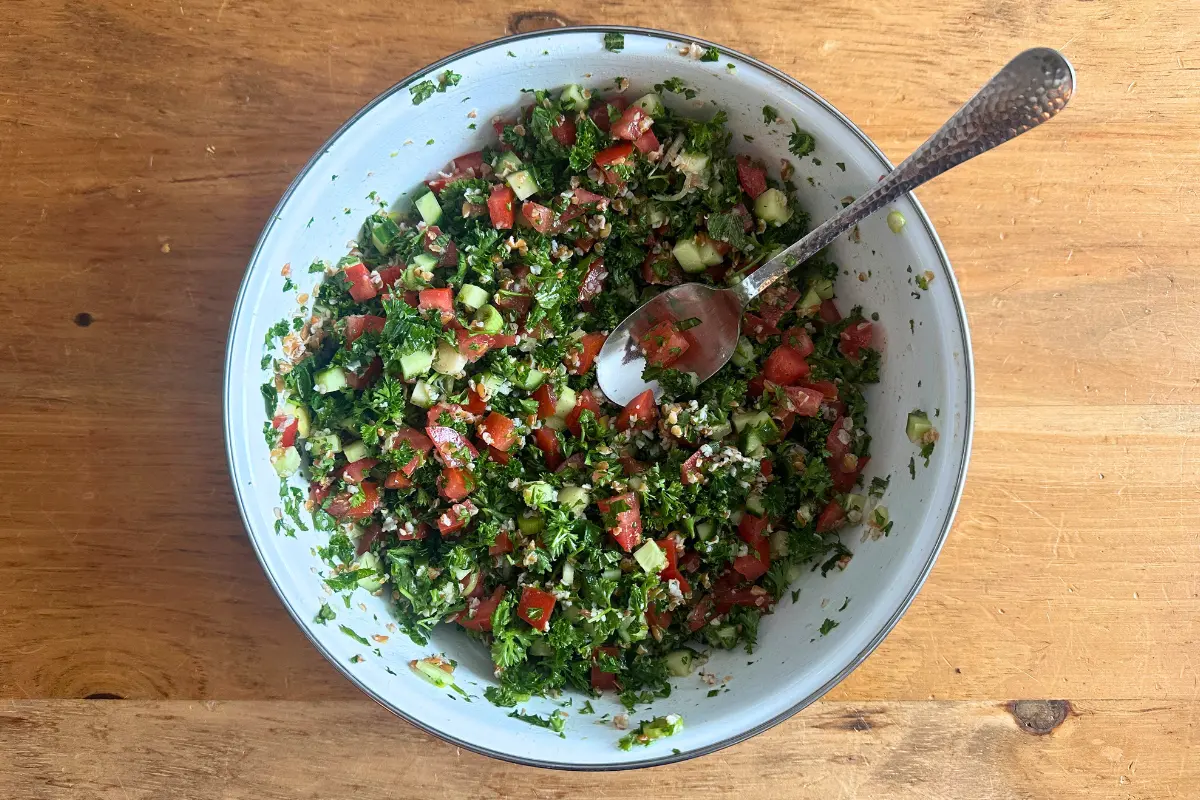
389, 147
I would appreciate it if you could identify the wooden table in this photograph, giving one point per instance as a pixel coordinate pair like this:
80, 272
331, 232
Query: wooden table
142, 146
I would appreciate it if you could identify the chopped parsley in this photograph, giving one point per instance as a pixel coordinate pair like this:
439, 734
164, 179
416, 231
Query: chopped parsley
614, 42
828, 625
349, 632
324, 614
801, 143
711, 54
770, 114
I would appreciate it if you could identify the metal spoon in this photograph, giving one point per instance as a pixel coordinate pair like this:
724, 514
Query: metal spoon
1031, 89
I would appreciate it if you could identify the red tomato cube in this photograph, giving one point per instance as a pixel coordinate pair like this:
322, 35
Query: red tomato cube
623, 516
500, 207
535, 607
640, 414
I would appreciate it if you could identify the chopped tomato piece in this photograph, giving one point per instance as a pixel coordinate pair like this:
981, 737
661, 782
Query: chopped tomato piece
456, 484
355, 470
390, 275
752, 528
700, 614
747, 221
477, 616
799, 340
641, 413
766, 467
690, 562
758, 328
499, 340
440, 299
623, 516
342, 508
752, 566
593, 281
497, 431
631, 466
473, 346
601, 680
537, 216
785, 366
581, 357
647, 142
318, 491
456, 517
661, 269
358, 324
832, 517
658, 619
564, 131
838, 444
756, 385
827, 388
503, 545
475, 402
601, 114
585, 402
829, 312
499, 456
582, 197
456, 412
535, 607
397, 480
614, 156
855, 338
689, 471
663, 344
803, 402
361, 380
545, 400
844, 481
453, 449
500, 207
547, 441
751, 176
633, 123
361, 288
288, 428
445, 252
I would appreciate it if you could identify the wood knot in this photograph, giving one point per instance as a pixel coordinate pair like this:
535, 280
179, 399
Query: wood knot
526, 21
103, 696
1039, 717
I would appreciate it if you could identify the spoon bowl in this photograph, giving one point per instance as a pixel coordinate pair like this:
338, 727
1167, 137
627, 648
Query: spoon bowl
621, 361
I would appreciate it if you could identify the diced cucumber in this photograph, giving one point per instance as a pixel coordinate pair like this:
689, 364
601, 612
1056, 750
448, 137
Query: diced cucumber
428, 208
735, 518
682, 662
424, 395
743, 354
724, 637
472, 296
810, 304
720, 431
448, 360
823, 287
542, 648
414, 365
652, 104
566, 402
709, 254
650, 556
530, 524
555, 423
491, 384
658, 216
507, 164
538, 493
568, 573
754, 504
383, 231
772, 206
705, 530
428, 670
918, 425
330, 379
529, 378
413, 279
523, 183
285, 460
855, 504
373, 582
779, 544
692, 163
490, 318
879, 517
424, 261
355, 451
750, 442
325, 445
688, 254
300, 413
610, 573
573, 98
574, 498
745, 419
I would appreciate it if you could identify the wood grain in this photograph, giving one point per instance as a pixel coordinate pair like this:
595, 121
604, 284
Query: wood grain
142, 146
900, 750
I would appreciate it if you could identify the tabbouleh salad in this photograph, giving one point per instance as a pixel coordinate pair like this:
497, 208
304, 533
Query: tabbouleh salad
442, 403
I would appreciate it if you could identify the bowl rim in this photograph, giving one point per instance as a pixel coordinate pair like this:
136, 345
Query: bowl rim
880, 635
